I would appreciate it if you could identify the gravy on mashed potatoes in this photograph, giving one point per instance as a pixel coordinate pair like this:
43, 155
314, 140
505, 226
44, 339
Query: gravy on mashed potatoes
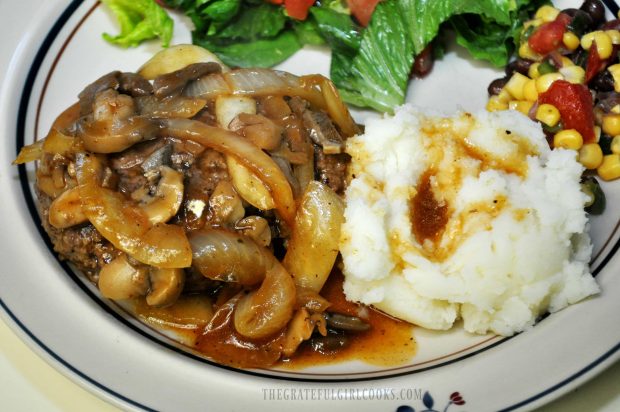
470, 217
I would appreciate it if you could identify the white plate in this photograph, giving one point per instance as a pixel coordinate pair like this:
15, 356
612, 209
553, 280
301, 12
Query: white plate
59, 51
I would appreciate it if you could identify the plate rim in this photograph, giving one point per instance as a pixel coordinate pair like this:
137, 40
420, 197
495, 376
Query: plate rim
84, 380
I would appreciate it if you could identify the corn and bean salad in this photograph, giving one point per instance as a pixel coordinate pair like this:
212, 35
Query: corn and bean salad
567, 77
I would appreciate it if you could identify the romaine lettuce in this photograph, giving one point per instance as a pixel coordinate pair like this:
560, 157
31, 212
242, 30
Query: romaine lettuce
139, 20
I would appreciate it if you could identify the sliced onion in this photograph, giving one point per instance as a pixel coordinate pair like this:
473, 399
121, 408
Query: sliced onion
35, 150
248, 185
30, 153
101, 137
266, 311
126, 226
173, 106
245, 152
229, 257
255, 82
313, 246
59, 143
208, 87
336, 108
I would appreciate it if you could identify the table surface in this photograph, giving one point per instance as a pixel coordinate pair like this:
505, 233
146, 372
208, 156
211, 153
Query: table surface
27, 383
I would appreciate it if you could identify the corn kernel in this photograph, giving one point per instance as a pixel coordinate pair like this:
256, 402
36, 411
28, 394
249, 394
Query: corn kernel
614, 35
597, 133
604, 45
533, 72
615, 145
568, 139
529, 90
548, 114
573, 74
570, 40
496, 104
546, 13
522, 106
504, 96
587, 39
614, 69
591, 155
610, 168
544, 82
566, 62
515, 85
526, 52
611, 124
615, 109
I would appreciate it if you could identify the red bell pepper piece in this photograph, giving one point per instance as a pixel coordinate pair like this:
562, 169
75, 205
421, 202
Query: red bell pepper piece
574, 102
362, 10
298, 9
594, 63
548, 37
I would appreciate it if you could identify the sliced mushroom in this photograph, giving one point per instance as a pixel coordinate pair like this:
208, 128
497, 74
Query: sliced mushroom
160, 157
87, 96
166, 286
229, 107
299, 329
175, 58
323, 132
256, 228
66, 210
168, 197
120, 280
173, 83
346, 322
115, 127
258, 129
225, 205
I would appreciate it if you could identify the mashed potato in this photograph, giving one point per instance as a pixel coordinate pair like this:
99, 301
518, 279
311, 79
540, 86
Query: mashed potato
470, 217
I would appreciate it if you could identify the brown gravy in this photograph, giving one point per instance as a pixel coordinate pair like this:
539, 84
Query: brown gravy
388, 342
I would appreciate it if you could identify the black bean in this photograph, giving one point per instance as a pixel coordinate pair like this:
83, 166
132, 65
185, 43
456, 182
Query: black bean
581, 22
496, 86
605, 143
423, 62
602, 82
520, 65
346, 322
611, 25
595, 9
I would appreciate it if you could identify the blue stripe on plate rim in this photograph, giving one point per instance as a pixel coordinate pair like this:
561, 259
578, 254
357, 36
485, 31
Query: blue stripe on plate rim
20, 138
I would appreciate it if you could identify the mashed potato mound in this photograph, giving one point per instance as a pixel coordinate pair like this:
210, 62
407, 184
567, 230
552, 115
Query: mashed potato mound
470, 217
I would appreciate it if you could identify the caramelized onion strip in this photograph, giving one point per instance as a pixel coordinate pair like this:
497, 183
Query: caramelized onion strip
336, 108
229, 257
245, 152
267, 310
126, 226
313, 246
256, 82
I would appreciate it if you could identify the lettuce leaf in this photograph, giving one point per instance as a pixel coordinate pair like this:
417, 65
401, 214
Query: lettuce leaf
378, 74
139, 20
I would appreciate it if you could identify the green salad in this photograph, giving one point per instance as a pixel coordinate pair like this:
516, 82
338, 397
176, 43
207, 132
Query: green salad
372, 56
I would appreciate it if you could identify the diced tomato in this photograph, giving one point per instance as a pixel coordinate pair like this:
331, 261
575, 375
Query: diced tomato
574, 102
298, 9
594, 63
548, 37
362, 10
